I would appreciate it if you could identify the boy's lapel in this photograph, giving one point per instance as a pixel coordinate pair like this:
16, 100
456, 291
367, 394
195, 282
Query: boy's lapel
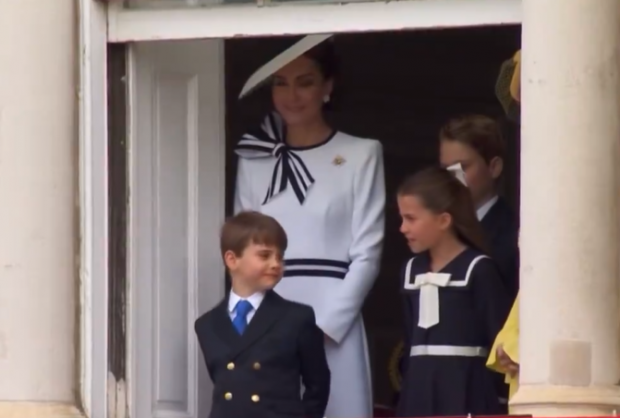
497, 220
268, 313
223, 324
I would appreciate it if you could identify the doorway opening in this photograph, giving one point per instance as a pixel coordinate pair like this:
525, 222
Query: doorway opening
399, 88
184, 121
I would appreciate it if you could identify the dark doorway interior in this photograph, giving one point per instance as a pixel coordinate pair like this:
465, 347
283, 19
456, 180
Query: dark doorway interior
398, 87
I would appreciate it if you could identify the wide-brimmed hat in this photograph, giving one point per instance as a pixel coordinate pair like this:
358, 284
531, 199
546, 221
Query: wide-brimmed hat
265, 72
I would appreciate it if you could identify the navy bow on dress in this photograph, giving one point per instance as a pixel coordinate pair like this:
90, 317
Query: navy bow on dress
269, 141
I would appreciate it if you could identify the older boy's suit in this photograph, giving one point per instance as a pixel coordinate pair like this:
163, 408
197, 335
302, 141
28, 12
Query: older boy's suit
502, 230
259, 374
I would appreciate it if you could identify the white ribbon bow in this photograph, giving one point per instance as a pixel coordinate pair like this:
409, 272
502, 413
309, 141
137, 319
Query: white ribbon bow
429, 284
459, 173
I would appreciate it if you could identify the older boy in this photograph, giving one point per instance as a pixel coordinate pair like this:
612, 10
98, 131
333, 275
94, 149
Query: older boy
258, 347
476, 142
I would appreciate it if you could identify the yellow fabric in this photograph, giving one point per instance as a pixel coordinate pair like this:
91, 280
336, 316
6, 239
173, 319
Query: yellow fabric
508, 86
508, 337
515, 83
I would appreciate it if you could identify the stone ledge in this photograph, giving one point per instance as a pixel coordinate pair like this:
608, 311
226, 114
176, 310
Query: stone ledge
39, 410
558, 401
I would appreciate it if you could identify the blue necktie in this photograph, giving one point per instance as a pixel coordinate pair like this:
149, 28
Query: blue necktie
242, 310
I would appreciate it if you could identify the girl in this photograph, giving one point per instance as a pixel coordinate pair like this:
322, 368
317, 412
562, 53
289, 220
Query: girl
326, 188
455, 301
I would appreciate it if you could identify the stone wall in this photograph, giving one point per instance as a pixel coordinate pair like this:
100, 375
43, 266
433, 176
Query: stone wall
39, 349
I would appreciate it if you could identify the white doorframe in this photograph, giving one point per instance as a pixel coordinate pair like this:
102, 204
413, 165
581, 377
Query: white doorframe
130, 25
100, 23
93, 198
190, 75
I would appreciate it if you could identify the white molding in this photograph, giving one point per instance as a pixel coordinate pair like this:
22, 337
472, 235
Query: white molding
127, 25
93, 200
206, 182
132, 110
193, 227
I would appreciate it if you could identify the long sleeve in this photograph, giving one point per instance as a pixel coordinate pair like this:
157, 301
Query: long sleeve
315, 373
506, 254
508, 337
200, 328
367, 226
407, 321
407, 337
490, 297
243, 188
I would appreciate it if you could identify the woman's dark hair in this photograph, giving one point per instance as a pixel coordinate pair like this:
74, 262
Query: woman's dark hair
324, 55
441, 192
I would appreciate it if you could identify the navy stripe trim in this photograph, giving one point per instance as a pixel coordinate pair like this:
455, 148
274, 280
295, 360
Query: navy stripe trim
316, 262
315, 273
315, 267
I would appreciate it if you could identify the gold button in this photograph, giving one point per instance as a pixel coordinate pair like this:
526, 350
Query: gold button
231, 366
256, 366
228, 396
255, 398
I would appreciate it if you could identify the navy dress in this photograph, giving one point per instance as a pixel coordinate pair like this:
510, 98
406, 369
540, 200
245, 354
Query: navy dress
502, 232
445, 372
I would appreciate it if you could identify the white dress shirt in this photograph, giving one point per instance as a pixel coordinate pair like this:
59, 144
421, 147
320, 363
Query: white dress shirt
484, 209
255, 300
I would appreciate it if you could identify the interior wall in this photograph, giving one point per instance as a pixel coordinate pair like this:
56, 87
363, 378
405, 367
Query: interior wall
398, 87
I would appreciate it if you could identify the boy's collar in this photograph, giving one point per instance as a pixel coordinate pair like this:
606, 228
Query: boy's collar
255, 299
486, 207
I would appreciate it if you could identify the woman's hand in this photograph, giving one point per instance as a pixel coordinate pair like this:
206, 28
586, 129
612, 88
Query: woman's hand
506, 362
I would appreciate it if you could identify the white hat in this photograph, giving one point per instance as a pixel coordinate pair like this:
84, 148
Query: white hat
267, 70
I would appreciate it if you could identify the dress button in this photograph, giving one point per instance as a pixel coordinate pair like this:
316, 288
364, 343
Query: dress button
230, 366
256, 366
228, 396
255, 398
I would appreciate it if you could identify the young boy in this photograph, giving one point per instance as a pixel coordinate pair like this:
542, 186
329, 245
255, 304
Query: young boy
476, 142
258, 347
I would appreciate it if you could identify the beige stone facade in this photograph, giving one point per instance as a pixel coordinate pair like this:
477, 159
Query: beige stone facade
569, 209
39, 350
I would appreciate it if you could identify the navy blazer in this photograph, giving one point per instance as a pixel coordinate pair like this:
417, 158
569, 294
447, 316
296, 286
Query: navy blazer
259, 374
502, 232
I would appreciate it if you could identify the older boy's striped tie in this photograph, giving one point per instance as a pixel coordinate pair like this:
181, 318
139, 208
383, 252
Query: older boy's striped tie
242, 310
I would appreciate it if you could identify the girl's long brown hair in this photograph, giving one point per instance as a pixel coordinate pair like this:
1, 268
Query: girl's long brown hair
441, 192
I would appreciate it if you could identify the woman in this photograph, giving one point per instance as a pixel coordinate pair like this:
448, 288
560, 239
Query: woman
327, 190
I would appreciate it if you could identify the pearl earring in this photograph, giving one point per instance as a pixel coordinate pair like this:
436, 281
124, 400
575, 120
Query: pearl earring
326, 98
